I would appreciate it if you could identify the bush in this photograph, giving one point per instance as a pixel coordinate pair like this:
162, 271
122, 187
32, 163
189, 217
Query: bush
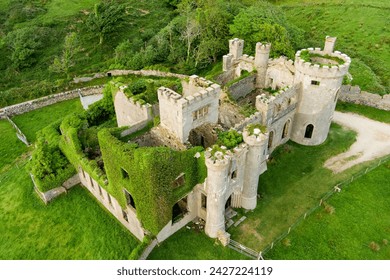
229, 139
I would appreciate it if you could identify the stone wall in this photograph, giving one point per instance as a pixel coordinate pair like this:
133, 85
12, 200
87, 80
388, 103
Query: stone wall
129, 112
352, 94
243, 87
127, 216
31, 105
113, 73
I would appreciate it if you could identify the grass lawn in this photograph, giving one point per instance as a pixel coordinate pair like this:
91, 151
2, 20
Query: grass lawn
191, 245
362, 216
361, 29
294, 182
73, 226
10, 146
369, 112
30, 123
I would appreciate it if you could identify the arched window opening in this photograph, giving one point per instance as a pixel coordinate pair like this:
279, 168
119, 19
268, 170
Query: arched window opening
286, 129
270, 139
309, 131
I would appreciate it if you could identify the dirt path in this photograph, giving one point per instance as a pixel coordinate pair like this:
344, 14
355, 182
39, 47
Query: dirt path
373, 141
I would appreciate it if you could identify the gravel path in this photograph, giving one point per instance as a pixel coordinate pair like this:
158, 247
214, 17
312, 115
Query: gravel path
373, 141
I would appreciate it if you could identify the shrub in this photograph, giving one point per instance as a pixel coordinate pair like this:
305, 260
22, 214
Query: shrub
229, 139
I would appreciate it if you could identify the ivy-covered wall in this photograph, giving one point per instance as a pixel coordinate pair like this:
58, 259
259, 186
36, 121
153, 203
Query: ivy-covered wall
151, 172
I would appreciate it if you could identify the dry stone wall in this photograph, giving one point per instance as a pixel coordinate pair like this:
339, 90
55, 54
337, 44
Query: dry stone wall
31, 105
243, 87
352, 94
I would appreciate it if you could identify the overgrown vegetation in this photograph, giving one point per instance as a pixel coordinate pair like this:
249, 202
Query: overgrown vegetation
155, 169
310, 57
230, 138
48, 164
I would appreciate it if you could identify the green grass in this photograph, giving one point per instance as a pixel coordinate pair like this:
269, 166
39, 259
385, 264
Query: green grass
362, 216
361, 29
10, 146
294, 182
369, 112
191, 245
30, 123
73, 226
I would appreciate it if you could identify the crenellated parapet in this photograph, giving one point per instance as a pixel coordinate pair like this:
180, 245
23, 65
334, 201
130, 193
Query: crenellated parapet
198, 105
273, 106
319, 68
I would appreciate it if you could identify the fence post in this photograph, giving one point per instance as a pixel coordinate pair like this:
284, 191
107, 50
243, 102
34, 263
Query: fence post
272, 245
289, 229
320, 202
304, 217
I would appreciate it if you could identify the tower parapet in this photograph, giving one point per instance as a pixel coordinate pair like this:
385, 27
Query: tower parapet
236, 47
320, 74
261, 63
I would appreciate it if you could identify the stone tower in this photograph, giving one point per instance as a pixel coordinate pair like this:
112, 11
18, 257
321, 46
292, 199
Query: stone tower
254, 166
216, 182
236, 48
319, 75
261, 63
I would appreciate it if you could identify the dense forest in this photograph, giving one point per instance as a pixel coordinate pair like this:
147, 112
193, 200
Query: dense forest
45, 43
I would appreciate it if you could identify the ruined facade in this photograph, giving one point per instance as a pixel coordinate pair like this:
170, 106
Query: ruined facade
301, 110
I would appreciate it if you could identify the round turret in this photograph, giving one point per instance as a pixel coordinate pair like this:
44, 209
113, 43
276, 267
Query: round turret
255, 165
319, 75
261, 63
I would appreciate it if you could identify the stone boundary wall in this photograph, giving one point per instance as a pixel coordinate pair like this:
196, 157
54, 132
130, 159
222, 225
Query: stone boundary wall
114, 73
243, 87
19, 133
353, 94
31, 105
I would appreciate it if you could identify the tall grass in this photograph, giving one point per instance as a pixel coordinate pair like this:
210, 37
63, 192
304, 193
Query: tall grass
10, 146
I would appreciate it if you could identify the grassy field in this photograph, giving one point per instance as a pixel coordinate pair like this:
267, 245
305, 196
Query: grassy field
362, 32
191, 245
74, 226
10, 146
30, 123
359, 229
369, 112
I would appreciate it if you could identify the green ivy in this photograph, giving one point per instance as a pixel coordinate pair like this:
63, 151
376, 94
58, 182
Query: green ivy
151, 171
252, 127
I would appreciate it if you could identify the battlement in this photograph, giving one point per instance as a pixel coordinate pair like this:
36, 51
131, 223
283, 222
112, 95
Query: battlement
257, 138
263, 48
323, 71
236, 47
134, 102
210, 90
217, 160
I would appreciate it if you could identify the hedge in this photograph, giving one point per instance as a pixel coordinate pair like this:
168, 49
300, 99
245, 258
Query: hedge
49, 165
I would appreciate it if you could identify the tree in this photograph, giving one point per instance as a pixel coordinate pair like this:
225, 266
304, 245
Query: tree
263, 22
24, 44
63, 63
106, 18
